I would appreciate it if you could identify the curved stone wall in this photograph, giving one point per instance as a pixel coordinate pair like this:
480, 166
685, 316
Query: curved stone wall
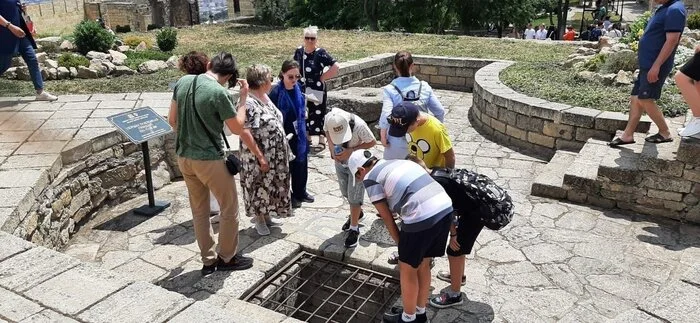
535, 124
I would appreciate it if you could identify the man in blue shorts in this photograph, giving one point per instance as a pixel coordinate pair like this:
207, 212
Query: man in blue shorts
657, 49
404, 187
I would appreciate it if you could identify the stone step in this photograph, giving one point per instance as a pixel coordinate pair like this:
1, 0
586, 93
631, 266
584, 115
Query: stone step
580, 178
549, 183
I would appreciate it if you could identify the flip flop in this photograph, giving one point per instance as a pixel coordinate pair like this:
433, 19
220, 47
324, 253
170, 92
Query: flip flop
657, 139
619, 142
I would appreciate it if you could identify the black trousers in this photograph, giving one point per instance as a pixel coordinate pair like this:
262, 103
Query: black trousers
300, 175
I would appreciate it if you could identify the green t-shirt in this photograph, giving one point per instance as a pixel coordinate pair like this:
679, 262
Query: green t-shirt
214, 105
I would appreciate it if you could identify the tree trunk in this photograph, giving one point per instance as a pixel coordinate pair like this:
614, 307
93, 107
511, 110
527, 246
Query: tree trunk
371, 13
563, 16
499, 29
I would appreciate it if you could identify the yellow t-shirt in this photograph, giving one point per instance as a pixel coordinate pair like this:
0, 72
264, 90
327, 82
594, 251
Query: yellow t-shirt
429, 142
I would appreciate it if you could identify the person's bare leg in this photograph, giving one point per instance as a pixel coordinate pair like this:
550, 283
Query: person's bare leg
355, 211
456, 272
690, 91
657, 116
423, 283
635, 115
409, 287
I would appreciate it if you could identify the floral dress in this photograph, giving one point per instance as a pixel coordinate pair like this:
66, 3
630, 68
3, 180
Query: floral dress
265, 193
312, 66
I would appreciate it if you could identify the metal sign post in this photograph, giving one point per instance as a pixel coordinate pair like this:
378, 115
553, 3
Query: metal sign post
141, 125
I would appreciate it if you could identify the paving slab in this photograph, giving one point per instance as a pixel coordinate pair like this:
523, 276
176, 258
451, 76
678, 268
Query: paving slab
76, 289
32, 267
80, 106
14, 136
117, 104
48, 316
15, 307
40, 147
203, 312
138, 302
677, 302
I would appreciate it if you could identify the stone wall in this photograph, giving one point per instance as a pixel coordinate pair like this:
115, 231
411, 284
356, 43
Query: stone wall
119, 14
535, 124
101, 172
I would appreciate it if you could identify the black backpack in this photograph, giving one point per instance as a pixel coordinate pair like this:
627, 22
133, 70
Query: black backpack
494, 203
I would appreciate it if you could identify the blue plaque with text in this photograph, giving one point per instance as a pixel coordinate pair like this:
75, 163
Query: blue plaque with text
140, 125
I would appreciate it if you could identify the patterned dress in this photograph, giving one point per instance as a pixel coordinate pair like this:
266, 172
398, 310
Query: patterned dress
265, 193
312, 66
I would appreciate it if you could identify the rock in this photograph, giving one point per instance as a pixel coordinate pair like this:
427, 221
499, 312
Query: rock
118, 42
635, 75
572, 61
108, 67
122, 70
619, 46
606, 51
41, 57
23, 74
694, 34
73, 72
123, 48
688, 42
172, 61
11, 73
66, 45
17, 62
585, 51
587, 76
606, 79
100, 68
117, 57
51, 63
63, 73
87, 73
53, 74
152, 66
45, 74
623, 78
141, 47
606, 42
97, 55
50, 44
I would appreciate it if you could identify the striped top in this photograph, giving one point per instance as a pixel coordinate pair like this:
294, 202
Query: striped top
410, 191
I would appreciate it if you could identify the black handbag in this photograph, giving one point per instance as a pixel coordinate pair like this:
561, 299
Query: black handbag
233, 164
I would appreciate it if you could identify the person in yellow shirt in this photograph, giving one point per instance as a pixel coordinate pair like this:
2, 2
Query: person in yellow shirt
426, 136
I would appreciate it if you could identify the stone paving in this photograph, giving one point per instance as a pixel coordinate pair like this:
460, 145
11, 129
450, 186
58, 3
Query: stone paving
555, 261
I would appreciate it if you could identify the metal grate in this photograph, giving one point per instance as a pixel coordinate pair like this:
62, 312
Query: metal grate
317, 289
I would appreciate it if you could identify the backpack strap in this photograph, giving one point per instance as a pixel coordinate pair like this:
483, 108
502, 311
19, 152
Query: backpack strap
403, 98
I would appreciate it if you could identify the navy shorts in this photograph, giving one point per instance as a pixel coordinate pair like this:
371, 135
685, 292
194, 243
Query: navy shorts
468, 229
691, 69
645, 90
429, 243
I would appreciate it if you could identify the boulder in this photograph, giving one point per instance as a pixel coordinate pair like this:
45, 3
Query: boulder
606, 51
606, 42
606, 79
623, 78
141, 47
17, 62
97, 55
23, 73
53, 73
66, 45
108, 67
123, 48
100, 67
694, 34
152, 66
88, 73
688, 41
73, 72
572, 61
585, 51
51, 63
45, 74
122, 70
11, 73
117, 57
587, 76
619, 46
172, 61
50, 44
41, 57
63, 73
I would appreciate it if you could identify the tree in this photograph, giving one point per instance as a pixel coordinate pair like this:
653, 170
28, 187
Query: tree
504, 12
562, 15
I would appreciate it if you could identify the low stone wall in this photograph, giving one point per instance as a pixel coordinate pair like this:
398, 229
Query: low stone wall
535, 124
104, 171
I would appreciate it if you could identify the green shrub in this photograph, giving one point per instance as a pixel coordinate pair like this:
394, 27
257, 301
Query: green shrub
166, 39
271, 12
636, 31
71, 60
694, 20
134, 41
90, 36
625, 60
596, 63
134, 59
122, 29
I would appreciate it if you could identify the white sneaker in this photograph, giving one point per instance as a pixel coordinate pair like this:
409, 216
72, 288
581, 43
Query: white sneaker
272, 222
692, 128
262, 228
46, 96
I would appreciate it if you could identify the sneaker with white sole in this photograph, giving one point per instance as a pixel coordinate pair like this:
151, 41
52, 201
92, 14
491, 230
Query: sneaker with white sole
262, 228
444, 300
272, 222
46, 96
692, 128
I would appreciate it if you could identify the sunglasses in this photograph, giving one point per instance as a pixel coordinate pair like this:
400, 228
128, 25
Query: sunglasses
293, 77
310, 38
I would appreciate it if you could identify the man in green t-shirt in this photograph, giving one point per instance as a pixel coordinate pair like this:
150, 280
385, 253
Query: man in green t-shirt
198, 123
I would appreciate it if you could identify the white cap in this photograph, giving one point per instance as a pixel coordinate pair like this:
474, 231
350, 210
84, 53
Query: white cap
338, 127
357, 159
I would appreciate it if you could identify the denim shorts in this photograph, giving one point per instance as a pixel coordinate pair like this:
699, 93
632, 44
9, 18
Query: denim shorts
645, 90
352, 190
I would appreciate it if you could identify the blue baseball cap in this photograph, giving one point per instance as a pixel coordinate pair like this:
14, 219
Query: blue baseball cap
401, 117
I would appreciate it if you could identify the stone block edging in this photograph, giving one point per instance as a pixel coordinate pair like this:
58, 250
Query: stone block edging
537, 124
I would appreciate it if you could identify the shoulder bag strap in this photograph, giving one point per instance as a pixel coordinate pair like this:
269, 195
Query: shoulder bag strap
201, 122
